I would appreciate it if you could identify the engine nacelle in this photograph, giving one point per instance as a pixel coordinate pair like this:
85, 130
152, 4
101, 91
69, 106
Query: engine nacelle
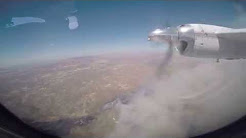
197, 40
186, 40
205, 41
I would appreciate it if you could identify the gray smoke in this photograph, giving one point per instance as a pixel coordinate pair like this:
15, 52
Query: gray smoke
240, 11
195, 96
167, 58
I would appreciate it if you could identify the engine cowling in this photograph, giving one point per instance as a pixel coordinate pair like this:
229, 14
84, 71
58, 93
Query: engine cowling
197, 40
186, 39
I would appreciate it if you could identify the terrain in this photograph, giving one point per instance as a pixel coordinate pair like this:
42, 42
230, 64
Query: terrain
119, 94
66, 96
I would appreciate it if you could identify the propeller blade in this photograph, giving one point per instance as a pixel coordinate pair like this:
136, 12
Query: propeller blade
156, 45
167, 58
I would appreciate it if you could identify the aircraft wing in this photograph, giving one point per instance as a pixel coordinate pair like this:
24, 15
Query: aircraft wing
233, 34
233, 43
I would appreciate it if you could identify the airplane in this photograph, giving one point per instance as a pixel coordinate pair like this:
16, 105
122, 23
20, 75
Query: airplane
203, 41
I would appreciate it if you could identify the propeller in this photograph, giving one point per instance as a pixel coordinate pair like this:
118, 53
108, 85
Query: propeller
157, 44
166, 35
165, 61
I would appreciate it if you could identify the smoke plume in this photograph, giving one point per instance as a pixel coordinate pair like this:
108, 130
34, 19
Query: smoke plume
240, 11
195, 96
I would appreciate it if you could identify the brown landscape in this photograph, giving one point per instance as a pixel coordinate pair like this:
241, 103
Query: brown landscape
74, 96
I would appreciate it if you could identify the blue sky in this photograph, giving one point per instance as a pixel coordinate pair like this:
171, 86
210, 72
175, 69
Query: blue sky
103, 26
